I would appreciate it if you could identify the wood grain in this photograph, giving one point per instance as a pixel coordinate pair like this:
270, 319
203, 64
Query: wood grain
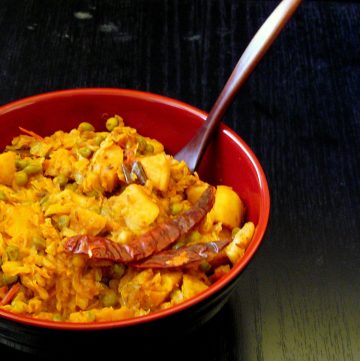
299, 112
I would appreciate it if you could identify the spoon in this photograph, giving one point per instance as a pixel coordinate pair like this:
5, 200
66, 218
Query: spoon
260, 43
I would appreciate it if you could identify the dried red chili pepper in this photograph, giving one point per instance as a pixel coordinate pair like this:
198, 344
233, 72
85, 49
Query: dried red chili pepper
184, 256
153, 241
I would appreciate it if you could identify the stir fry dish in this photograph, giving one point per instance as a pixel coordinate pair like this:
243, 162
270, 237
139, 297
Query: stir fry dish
104, 225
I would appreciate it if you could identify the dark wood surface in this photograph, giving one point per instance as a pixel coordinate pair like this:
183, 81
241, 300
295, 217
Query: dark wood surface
299, 112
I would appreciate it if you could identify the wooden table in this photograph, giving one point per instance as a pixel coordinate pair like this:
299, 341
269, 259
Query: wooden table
299, 112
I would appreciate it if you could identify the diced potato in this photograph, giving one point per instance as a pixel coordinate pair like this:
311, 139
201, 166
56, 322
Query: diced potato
228, 207
220, 272
158, 147
176, 297
8, 168
40, 149
157, 169
194, 192
236, 249
61, 162
58, 209
192, 286
159, 288
148, 289
105, 167
137, 208
83, 220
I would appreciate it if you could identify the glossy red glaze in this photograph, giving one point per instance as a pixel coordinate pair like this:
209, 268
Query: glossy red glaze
228, 161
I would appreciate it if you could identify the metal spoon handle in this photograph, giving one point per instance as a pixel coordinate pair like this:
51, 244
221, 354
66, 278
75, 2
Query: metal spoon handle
254, 52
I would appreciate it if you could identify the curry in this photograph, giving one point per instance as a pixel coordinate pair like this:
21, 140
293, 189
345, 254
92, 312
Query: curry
104, 225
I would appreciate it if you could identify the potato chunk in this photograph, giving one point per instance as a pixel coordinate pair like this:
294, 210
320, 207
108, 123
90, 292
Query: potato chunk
61, 162
228, 207
8, 168
195, 191
137, 208
192, 286
85, 221
236, 249
104, 168
149, 289
157, 169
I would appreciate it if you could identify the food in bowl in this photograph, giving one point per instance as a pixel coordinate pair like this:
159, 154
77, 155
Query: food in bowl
100, 226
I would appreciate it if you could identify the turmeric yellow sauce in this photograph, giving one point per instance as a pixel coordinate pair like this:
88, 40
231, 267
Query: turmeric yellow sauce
114, 187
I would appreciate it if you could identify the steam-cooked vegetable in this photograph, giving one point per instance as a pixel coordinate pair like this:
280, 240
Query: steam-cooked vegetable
8, 168
228, 208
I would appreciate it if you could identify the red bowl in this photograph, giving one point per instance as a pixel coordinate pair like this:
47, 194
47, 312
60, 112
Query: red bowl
228, 160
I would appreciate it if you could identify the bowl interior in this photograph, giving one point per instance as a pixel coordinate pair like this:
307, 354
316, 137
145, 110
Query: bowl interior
228, 160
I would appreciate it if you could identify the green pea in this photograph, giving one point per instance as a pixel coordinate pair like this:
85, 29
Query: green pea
57, 317
98, 275
71, 186
61, 180
194, 236
149, 148
112, 123
39, 243
176, 208
85, 127
234, 231
8, 280
178, 245
114, 284
93, 193
205, 266
21, 178
109, 298
63, 221
21, 163
3, 196
99, 139
33, 168
118, 270
85, 152
90, 316
141, 145
12, 252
